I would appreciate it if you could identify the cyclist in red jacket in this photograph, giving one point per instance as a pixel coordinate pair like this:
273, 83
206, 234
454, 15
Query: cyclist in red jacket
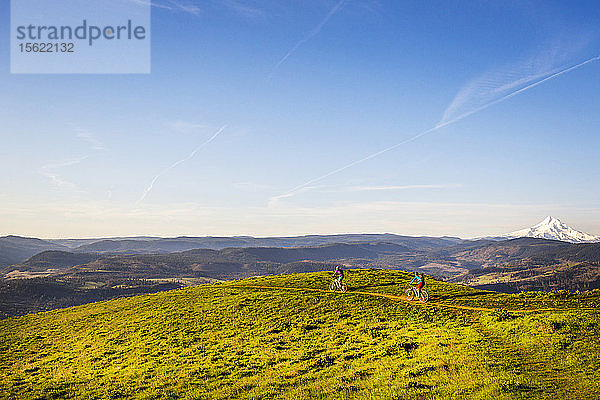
339, 274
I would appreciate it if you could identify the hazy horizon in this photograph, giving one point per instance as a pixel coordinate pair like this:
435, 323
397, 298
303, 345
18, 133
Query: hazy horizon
133, 236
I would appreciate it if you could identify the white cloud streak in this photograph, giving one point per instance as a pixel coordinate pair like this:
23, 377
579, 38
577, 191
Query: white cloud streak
92, 140
171, 5
190, 7
50, 171
315, 31
401, 187
439, 125
176, 163
244, 10
53, 170
274, 201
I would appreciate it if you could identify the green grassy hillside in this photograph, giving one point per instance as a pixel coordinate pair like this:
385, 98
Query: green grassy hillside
286, 337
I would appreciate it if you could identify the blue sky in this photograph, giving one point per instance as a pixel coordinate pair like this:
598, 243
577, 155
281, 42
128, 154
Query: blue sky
299, 90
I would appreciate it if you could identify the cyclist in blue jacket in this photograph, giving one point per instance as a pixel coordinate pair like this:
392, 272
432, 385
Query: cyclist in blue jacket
419, 279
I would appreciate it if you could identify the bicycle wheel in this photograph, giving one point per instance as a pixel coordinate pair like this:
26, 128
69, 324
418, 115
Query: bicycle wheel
332, 286
424, 296
410, 294
343, 288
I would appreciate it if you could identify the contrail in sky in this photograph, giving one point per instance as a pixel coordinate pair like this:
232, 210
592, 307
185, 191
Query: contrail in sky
176, 163
310, 35
516, 92
439, 125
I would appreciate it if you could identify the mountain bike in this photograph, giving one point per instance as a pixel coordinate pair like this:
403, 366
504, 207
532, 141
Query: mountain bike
413, 293
336, 285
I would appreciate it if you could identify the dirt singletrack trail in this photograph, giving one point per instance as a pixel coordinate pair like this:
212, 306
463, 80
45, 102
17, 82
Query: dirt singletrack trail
403, 298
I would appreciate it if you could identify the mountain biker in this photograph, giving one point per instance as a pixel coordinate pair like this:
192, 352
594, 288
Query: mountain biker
339, 274
419, 279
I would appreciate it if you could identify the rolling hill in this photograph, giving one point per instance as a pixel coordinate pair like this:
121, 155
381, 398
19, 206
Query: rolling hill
529, 264
67, 279
52, 261
218, 264
284, 337
15, 249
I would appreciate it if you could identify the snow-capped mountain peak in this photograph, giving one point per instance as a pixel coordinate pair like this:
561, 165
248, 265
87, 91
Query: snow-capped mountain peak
554, 229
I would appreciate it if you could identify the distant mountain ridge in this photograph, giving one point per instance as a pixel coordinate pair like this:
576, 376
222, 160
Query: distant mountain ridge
145, 245
17, 249
553, 229
450, 262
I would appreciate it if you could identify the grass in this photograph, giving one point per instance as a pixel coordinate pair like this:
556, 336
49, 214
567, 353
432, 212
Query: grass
241, 340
